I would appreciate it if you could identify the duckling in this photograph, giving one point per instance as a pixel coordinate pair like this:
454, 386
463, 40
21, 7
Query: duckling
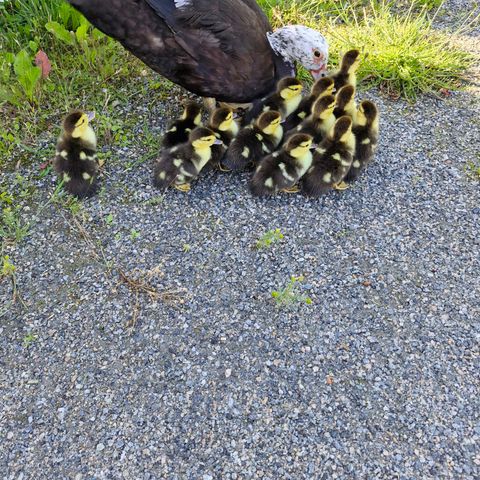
320, 121
321, 88
254, 141
75, 158
180, 129
181, 164
365, 130
282, 169
331, 160
224, 126
347, 73
285, 100
345, 102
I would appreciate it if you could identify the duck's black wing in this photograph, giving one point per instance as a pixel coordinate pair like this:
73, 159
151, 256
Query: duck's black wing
214, 48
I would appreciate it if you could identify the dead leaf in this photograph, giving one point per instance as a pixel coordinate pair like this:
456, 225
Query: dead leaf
329, 380
367, 283
42, 61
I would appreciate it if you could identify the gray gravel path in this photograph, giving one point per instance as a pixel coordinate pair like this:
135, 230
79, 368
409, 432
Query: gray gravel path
377, 379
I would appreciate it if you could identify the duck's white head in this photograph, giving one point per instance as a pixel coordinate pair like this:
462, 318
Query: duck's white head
297, 43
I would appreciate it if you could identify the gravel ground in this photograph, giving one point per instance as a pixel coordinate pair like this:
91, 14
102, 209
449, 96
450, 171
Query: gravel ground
376, 379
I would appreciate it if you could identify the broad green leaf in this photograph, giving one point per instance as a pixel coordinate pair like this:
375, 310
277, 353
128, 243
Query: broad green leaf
81, 32
60, 32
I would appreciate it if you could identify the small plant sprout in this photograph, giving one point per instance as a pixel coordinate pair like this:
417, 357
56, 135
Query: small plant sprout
472, 169
8, 269
186, 247
12, 228
291, 293
267, 239
134, 234
28, 339
109, 219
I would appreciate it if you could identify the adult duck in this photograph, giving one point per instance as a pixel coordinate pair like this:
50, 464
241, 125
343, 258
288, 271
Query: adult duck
223, 49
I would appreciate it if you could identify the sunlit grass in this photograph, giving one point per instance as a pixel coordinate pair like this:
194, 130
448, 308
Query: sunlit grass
406, 55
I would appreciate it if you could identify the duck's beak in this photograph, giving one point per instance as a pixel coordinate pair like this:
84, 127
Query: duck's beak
90, 116
319, 73
218, 142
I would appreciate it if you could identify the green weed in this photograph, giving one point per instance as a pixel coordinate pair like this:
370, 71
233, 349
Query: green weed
28, 339
109, 220
269, 238
8, 269
472, 169
12, 228
407, 55
134, 234
291, 294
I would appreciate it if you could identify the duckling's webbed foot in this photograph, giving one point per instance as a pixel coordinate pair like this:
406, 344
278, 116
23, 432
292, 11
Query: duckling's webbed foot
341, 186
182, 187
223, 168
292, 189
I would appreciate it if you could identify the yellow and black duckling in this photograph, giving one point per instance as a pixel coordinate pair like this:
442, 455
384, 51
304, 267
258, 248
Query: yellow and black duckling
345, 102
365, 129
285, 100
180, 129
223, 124
320, 121
281, 170
75, 158
321, 88
180, 165
347, 73
331, 160
255, 141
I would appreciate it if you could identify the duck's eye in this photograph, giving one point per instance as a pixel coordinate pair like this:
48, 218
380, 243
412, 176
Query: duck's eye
317, 53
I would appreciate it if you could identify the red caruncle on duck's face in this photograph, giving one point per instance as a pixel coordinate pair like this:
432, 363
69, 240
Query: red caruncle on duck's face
318, 59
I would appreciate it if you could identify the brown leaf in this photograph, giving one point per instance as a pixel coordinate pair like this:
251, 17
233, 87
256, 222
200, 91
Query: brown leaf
329, 380
367, 283
42, 61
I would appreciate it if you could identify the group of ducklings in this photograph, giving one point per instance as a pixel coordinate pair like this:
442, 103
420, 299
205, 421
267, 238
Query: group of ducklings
315, 143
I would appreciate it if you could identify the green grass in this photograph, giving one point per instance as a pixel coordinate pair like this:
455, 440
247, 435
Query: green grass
407, 56
472, 169
89, 70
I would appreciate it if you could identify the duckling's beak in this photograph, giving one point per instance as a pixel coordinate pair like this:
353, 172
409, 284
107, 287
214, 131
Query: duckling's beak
218, 142
313, 146
90, 116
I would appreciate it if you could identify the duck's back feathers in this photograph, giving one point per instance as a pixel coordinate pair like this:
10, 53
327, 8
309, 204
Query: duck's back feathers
214, 48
